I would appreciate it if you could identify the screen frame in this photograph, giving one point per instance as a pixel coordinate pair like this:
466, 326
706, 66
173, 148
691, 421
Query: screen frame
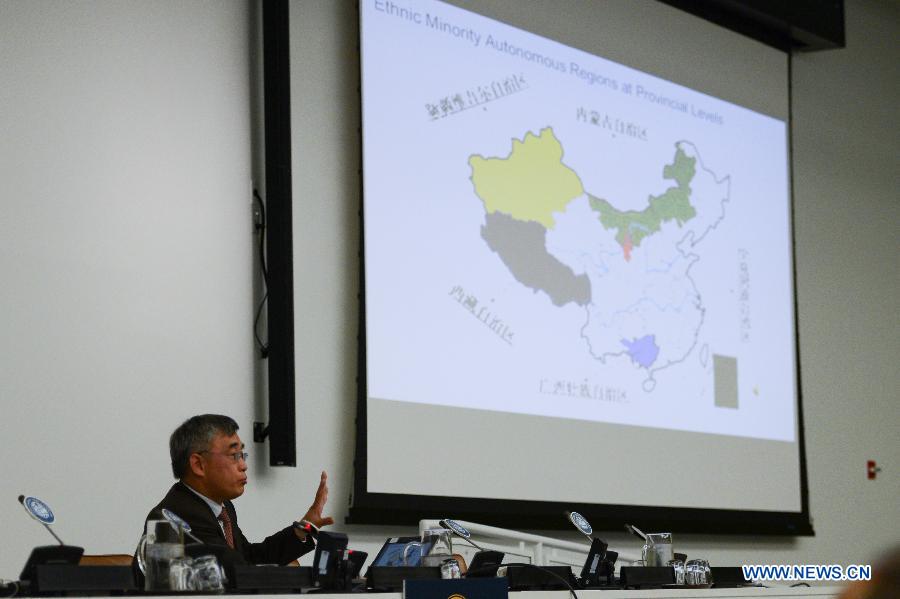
408, 509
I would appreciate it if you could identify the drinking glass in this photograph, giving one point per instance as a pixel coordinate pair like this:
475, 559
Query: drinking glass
658, 550
435, 547
180, 573
696, 571
161, 544
207, 575
678, 566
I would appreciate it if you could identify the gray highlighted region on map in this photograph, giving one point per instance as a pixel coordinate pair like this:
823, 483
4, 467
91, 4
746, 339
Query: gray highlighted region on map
521, 246
726, 384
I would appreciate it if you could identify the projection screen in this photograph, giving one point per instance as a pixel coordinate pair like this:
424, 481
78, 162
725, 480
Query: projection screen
578, 268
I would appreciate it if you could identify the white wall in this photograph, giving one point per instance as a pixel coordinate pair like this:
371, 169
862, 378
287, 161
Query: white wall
127, 275
846, 147
125, 253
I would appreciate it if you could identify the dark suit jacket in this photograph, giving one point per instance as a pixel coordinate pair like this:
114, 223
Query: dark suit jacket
280, 548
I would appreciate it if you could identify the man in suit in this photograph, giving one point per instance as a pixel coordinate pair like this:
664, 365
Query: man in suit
209, 462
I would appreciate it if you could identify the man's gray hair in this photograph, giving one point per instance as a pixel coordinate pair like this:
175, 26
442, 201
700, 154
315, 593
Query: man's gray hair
194, 435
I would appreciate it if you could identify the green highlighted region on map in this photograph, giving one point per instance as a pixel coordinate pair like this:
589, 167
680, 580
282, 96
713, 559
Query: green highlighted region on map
674, 204
531, 183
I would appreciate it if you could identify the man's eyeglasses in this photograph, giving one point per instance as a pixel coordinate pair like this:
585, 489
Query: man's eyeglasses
236, 457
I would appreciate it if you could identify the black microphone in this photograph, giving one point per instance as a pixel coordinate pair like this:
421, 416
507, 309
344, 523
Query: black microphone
48, 554
40, 511
598, 561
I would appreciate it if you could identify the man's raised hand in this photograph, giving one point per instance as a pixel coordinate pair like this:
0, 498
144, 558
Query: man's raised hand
314, 514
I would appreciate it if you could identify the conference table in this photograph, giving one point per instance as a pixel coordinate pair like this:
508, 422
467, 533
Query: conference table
747, 592
817, 592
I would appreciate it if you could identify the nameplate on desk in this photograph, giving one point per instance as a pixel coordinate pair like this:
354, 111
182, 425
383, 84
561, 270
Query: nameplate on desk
476, 588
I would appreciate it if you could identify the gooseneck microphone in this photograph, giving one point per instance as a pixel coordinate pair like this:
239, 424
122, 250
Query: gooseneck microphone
190, 534
637, 532
41, 512
581, 523
178, 522
31, 576
459, 530
600, 562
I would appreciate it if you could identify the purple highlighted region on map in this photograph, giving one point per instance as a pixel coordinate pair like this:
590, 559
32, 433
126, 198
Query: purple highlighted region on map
643, 351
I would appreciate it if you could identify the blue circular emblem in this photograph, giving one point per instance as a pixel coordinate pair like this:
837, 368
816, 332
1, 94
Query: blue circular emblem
458, 528
39, 510
176, 520
581, 523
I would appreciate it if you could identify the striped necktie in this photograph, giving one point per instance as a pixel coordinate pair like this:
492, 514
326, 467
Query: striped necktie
225, 519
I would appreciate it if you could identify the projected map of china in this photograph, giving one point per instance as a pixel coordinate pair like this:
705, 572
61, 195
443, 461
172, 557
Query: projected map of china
551, 233
629, 270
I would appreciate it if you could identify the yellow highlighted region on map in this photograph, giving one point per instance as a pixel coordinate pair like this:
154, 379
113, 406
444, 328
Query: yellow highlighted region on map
529, 185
